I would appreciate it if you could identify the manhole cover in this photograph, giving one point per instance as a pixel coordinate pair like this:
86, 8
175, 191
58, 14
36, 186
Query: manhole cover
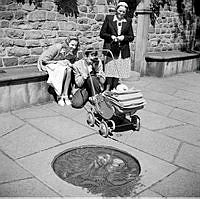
100, 169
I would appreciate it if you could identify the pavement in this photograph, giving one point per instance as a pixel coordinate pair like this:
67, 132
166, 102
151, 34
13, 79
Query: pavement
167, 145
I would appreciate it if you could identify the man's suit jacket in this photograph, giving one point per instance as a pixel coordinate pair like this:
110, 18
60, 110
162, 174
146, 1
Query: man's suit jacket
109, 28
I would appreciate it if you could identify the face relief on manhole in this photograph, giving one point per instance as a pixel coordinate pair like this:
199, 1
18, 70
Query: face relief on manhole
99, 169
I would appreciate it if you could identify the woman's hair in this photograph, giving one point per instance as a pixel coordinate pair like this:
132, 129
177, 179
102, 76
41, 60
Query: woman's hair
91, 50
69, 39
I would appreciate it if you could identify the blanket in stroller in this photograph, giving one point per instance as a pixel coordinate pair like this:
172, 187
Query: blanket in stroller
126, 100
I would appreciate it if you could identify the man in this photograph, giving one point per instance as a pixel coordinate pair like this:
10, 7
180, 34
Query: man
89, 75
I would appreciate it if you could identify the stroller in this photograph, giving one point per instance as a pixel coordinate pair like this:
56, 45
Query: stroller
109, 109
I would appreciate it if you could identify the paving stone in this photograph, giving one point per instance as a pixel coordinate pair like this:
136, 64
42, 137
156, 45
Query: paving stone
189, 157
24, 141
10, 171
188, 95
26, 188
180, 184
79, 115
185, 105
161, 87
159, 97
149, 193
8, 123
61, 128
151, 143
186, 78
152, 169
156, 107
186, 133
34, 112
154, 121
185, 116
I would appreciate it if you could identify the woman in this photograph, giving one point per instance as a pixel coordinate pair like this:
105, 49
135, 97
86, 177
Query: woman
57, 60
117, 32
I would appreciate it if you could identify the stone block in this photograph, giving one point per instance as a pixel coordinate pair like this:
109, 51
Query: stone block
38, 92
99, 17
18, 51
170, 68
47, 6
4, 98
51, 16
20, 15
11, 61
4, 15
194, 64
180, 66
36, 51
19, 43
4, 24
33, 35
28, 60
18, 96
67, 26
32, 43
18, 34
38, 15
155, 69
187, 65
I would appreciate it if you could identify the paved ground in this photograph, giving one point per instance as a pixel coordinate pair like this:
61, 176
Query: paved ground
167, 146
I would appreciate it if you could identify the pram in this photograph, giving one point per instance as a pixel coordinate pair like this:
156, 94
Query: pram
109, 107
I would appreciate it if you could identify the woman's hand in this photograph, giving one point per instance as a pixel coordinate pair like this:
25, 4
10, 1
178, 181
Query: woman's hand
114, 38
120, 38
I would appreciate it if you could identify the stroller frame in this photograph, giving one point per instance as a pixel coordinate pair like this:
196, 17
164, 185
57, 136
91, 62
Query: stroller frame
107, 125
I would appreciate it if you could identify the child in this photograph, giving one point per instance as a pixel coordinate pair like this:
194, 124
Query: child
57, 60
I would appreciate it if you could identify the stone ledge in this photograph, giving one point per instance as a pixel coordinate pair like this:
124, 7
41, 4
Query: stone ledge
19, 74
170, 56
22, 87
163, 64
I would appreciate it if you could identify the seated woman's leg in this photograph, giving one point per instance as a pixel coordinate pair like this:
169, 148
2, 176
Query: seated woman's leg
66, 84
66, 81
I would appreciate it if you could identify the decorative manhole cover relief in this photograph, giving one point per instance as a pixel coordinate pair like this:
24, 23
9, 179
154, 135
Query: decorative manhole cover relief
101, 170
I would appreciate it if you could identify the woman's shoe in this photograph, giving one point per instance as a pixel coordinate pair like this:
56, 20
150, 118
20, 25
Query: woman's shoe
67, 102
61, 102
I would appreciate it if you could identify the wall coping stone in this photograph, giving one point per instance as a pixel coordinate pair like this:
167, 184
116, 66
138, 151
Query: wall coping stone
167, 56
19, 75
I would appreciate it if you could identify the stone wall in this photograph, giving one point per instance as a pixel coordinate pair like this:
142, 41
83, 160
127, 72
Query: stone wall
172, 30
26, 31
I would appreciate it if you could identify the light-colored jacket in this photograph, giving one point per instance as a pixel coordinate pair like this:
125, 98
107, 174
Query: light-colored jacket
48, 55
81, 70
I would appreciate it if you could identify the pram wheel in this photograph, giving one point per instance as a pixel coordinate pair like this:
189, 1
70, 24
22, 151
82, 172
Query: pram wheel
103, 129
135, 120
91, 119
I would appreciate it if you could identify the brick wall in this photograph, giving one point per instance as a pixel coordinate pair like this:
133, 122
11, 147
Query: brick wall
170, 32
